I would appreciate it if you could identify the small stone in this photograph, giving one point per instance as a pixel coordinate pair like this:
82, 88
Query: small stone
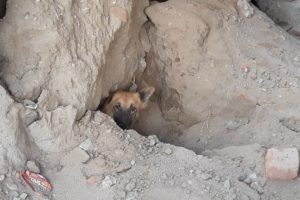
87, 145
252, 176
168, 151
205, 176
11, 186
152, 142
227, 184
109, 181
32, 166
282, 164
232, 125
2, 177
130, 186
23, 196
132, 162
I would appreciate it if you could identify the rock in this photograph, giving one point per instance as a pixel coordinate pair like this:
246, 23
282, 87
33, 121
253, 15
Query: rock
227, 184
32, 166
245, 8
23, 196
168, 151
282, 164
109, 181
2, 177
152, 142
87, 145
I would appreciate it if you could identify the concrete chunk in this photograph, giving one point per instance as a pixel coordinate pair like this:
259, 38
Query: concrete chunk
282, 164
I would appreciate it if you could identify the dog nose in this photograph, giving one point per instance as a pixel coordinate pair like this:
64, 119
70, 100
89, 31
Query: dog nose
122, 125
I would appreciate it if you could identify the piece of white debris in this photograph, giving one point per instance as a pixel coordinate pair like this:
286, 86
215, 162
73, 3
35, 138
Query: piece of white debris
87, 145
30, 104
109, 181
2, 177
23, 196
227, 184
168, 151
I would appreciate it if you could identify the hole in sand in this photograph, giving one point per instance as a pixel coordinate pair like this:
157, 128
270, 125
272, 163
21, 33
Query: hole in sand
2, 8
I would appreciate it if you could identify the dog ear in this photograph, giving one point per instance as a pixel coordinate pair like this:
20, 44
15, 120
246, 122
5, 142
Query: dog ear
145, 94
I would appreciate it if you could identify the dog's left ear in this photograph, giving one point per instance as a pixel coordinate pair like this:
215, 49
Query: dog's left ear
145, 95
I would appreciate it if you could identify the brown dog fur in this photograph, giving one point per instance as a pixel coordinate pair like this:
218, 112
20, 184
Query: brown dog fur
124, 106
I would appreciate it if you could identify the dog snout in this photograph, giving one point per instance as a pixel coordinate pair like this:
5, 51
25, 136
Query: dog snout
123, 120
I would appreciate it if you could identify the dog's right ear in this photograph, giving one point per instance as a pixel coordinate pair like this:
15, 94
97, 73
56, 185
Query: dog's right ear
145, 95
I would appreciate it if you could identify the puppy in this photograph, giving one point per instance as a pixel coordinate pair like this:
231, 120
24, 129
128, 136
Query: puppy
124, 106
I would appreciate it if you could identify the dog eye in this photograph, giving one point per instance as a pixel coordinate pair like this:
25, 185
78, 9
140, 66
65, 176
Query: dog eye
117, 106
132, 109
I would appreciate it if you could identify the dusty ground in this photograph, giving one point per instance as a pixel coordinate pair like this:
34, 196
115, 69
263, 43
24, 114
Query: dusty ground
227, 88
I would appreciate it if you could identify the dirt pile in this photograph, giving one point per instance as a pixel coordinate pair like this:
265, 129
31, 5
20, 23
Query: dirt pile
86, 47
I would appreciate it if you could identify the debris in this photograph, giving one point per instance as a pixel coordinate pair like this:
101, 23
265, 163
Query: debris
227, 184
23, 196
168, 151
32, 166
245, 8
109, 181
282, 164
35, 181
87, 145
2, 177
152, 142
30, 104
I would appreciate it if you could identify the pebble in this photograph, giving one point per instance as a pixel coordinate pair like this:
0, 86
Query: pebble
109, 181
87, 145
32, 166
168, 151
152, 142
23, 196
227, 184
2, 177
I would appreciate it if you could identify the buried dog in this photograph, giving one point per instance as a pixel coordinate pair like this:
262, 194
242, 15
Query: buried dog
124, 106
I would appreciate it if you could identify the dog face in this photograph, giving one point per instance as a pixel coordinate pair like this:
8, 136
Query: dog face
124, 107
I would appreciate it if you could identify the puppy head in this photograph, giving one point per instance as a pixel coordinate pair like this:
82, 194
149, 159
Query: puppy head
125, 106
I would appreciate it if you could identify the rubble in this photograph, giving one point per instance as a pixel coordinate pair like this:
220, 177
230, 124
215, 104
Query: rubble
282, 164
